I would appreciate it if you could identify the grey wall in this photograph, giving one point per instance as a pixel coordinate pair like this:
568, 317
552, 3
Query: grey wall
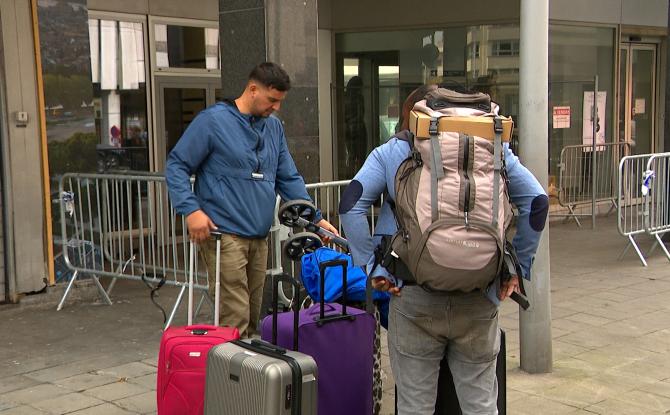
369, 15
26, 208
198, 9
626, 12
357, 15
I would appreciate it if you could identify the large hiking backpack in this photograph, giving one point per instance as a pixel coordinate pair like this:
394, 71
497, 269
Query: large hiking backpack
451, 203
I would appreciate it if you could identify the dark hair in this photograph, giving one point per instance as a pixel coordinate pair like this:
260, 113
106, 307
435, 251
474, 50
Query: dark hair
271, 75
413, 97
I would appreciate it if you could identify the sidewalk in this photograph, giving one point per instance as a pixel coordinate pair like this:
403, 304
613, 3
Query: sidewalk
611, 347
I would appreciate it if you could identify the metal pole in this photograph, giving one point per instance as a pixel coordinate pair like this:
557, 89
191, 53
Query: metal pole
535, 323
594, 125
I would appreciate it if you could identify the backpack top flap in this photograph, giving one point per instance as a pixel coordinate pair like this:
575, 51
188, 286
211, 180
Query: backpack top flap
466, 120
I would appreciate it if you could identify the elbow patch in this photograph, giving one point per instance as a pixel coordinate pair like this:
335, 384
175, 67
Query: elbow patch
539, 208
350, 196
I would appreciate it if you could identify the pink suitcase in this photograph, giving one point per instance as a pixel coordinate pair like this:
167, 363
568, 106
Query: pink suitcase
182, 360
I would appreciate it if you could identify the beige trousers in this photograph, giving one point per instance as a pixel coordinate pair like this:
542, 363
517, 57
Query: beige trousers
243, 267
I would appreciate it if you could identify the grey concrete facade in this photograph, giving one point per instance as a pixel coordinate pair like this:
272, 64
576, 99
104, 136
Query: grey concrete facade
24, 203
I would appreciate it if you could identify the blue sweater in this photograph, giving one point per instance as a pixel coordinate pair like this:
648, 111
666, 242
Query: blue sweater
377, 176
240, 162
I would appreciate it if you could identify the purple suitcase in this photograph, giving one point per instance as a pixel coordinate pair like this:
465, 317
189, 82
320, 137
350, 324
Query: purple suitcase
341, 341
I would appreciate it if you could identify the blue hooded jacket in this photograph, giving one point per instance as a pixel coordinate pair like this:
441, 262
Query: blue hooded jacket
240, 162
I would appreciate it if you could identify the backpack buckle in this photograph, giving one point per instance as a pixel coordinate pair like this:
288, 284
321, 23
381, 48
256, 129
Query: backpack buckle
432, 129
497, 125
416, 157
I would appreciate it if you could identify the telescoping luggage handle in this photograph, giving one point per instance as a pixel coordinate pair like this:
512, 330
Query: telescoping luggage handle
276, 279
216, 234
323, 319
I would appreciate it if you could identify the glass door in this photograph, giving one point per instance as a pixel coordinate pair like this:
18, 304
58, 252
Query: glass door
179, 101
638, 97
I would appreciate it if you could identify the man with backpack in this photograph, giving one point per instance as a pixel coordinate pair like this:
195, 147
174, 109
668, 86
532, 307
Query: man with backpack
238, 153
425, 323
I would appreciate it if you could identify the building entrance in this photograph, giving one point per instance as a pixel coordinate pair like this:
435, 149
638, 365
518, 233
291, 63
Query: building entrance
637, 106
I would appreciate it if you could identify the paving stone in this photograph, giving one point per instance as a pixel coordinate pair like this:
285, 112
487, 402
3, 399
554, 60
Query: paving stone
75, 368
6, 405
23, 410
148, 381
104, 409
12, 383
142, 404
534, 405
115, 391
589, 319
85, 381
129, 370
619, 407
34, 394
66, 403
562, 349
642, 369
658, 388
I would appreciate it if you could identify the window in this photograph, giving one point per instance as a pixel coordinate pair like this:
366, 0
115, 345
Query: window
186, 47
118, 72
505, 48
473, 50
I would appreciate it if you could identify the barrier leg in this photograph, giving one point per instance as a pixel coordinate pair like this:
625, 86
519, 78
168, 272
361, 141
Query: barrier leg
612, 208
101, 290
204, 298
631, 241
572, 215
176, 306
67, 290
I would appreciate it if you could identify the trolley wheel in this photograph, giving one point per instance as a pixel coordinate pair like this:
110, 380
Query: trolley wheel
300, 244
290, 212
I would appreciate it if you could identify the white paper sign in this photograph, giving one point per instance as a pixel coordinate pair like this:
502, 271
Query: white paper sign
561, 117
587, 118
639, 106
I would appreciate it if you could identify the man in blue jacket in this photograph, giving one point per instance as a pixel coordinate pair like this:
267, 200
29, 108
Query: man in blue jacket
426, 325
238, 153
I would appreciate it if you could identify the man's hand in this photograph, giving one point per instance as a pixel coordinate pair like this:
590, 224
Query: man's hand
199, 225
507, 287
382, 284
327, 226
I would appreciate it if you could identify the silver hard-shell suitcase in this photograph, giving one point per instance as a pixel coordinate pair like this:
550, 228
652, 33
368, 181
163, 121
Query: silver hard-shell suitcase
254, 377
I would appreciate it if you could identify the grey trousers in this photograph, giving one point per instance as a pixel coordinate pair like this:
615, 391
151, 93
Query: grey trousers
423, 326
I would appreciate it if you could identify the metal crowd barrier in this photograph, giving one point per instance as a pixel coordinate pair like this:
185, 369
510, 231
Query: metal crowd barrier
577, 166
642, 200
128, 220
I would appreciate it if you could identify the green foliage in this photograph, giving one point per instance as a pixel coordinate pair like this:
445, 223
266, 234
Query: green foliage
76, 154
68, 91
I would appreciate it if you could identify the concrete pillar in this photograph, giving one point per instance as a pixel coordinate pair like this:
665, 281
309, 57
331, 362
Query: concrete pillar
535, 324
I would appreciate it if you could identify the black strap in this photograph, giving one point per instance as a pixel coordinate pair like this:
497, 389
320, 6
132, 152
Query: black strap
154, 289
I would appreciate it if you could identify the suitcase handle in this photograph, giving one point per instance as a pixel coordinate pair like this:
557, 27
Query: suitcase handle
323, 266
276, 279
268, 347
216, 234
